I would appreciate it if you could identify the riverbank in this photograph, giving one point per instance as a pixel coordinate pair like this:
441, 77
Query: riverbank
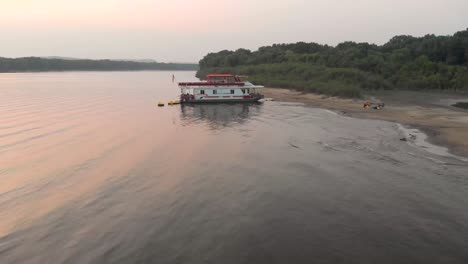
58, 64
432, 113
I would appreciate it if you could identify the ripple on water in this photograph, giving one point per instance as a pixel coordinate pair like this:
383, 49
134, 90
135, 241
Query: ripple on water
92, 172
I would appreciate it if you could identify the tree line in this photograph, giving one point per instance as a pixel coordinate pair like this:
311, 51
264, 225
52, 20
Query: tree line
36, 64
404, 62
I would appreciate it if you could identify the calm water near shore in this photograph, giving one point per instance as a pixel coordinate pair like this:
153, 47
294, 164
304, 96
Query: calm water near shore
91, 171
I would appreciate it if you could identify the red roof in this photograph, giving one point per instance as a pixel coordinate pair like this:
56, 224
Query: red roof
211, 84
219, 75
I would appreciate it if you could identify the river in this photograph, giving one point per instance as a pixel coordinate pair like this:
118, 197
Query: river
92, 171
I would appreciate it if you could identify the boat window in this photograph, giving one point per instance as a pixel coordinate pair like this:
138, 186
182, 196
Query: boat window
215, 91
232, 91
248, 90
243, 91
202, 91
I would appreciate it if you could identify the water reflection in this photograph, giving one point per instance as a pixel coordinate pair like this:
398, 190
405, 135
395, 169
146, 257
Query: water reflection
218, 116
91, 171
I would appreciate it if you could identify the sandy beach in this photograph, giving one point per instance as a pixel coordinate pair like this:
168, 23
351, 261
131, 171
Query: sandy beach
432, 113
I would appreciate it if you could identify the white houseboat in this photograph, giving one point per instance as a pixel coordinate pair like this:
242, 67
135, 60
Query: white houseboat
219, 88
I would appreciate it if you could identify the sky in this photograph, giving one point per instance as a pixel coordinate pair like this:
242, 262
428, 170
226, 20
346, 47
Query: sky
186, 30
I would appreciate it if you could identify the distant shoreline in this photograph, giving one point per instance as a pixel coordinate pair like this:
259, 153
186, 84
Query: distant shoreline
94, 71
444, 124
37, 64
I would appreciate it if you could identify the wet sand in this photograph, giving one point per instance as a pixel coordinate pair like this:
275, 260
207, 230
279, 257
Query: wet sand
432, 113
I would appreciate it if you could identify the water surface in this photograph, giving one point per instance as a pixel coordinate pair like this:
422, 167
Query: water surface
91, 171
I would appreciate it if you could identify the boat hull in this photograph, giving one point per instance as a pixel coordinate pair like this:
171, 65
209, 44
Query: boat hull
217, 101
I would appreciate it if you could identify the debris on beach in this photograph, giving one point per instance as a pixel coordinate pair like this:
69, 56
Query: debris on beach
376, 106
411, 137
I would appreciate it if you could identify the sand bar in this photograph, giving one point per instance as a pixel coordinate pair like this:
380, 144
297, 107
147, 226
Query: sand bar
432, 113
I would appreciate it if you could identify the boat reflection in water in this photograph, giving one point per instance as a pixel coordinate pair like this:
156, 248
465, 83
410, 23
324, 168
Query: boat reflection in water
218, 116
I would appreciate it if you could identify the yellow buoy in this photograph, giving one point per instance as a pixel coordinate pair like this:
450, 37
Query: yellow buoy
173, 102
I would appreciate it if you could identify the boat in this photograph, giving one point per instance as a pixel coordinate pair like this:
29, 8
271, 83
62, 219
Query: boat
220, 88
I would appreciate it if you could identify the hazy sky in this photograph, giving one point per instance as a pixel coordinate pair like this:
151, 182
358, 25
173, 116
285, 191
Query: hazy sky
185, 30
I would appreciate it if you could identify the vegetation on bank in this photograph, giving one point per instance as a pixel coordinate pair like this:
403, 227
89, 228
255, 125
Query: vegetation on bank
405, 62
36, 64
